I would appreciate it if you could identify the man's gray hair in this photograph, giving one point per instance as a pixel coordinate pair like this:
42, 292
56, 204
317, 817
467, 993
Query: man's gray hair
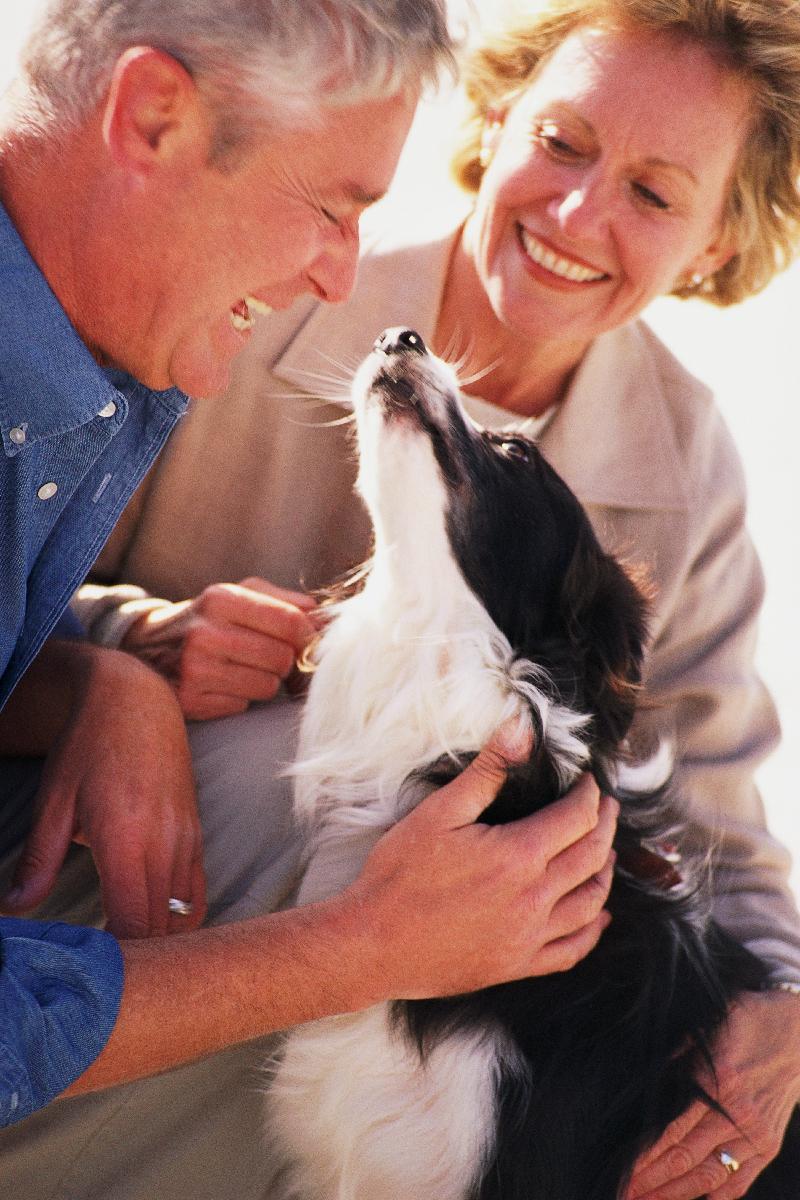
254, 59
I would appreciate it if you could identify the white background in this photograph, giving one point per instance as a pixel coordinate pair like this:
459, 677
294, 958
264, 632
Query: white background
749, 355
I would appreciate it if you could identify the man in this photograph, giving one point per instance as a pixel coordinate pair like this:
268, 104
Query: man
167, 171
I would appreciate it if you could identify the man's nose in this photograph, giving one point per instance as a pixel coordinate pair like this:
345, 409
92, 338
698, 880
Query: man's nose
333, 274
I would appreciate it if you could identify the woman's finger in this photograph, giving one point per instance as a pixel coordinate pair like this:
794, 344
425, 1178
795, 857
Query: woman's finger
673, 1134
712, 1175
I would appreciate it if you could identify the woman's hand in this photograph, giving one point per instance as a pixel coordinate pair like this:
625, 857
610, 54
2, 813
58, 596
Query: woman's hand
227, 647
757, 1061
118, 779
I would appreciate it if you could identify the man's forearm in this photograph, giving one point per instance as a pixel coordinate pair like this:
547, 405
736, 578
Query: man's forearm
41, 704
191, 995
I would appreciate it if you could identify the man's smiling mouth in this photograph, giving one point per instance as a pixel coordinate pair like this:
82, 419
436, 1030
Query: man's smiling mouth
243, 313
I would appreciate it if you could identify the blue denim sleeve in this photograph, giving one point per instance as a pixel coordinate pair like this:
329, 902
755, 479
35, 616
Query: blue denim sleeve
60, 988
68, 626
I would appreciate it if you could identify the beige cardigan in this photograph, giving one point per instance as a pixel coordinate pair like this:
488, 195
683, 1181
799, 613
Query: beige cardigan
260, 482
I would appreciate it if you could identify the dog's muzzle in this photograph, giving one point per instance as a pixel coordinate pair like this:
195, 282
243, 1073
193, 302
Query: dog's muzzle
400, 341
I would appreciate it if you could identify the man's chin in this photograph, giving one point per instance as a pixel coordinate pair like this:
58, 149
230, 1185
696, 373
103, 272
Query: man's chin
206, 378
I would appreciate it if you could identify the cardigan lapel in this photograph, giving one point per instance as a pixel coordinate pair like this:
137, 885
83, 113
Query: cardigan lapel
613, 438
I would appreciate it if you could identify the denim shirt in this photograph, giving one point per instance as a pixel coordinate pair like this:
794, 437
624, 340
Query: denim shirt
76, 440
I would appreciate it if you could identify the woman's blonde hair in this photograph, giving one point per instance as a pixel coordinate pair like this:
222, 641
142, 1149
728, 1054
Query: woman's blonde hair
759, 40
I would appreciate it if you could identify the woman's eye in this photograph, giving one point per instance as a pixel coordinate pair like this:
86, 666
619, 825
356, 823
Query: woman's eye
648, 196
549, 136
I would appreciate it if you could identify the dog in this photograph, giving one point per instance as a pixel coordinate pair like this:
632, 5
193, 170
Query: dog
488, 597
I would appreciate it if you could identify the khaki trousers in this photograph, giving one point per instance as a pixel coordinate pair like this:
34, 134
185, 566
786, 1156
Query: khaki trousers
194, 1133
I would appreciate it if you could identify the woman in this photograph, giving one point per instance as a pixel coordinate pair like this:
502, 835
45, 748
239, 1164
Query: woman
615, 152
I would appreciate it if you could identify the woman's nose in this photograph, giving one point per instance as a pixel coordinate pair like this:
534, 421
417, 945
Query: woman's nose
583, 210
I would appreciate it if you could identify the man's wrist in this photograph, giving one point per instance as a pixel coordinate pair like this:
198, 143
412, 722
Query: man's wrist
57, 683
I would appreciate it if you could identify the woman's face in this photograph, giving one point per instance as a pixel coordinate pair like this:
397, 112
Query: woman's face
607, 183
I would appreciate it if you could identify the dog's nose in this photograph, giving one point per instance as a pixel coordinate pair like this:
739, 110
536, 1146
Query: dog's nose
400, 341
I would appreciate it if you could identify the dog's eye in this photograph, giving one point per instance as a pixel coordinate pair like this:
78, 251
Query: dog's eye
512, 448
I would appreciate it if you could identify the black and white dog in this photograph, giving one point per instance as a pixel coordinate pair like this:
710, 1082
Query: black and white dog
489, 597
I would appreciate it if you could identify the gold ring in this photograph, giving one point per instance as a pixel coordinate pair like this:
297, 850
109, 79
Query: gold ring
730, 1163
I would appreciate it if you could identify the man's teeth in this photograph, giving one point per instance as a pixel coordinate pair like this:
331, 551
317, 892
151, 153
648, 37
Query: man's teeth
562, 267
242, 313
258, 306
240, 322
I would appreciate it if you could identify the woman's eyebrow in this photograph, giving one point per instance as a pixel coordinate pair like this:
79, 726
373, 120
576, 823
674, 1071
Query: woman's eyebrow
561, 108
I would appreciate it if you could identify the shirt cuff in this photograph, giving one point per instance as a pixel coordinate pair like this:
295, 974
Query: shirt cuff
107, 613
60, 991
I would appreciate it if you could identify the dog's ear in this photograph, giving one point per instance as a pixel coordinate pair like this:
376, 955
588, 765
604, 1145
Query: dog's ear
606, 616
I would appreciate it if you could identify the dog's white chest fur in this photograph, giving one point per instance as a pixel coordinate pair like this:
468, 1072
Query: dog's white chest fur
407, 672
353, 1114
413, 668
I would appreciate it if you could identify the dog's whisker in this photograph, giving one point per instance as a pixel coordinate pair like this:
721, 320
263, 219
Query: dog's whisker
331, 383
348, 369
465, 380
347, 419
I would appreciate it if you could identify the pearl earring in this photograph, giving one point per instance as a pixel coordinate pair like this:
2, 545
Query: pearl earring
697, 279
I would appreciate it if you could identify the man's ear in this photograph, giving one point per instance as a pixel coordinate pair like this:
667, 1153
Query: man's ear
154, 114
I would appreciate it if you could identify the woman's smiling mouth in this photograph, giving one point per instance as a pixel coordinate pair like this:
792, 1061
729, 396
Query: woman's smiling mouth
564, 268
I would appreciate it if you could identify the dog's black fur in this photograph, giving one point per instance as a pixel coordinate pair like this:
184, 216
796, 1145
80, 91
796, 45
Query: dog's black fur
614, 1046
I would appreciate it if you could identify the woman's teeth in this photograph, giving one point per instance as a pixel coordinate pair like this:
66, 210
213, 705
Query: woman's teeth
241, 314
563, 267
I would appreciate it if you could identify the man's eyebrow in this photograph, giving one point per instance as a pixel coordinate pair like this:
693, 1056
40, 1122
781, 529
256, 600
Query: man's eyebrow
356, 194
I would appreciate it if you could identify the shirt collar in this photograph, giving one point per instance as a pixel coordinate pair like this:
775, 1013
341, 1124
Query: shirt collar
613, 438
49, 382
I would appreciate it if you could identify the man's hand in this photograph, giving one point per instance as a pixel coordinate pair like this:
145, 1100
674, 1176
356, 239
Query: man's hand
458, 905
442, 906
230, 645
118, 778
757, 1065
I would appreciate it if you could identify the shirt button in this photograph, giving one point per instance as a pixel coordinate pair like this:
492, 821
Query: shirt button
108, 410
47, 491
17, 436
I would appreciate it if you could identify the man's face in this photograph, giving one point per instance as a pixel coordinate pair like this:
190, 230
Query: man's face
281, 223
